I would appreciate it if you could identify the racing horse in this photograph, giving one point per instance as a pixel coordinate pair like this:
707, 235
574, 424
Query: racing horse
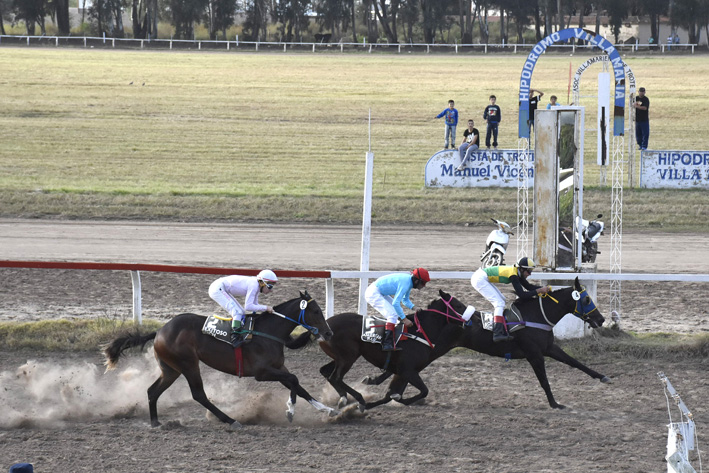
180, 345
346, 346
533, 343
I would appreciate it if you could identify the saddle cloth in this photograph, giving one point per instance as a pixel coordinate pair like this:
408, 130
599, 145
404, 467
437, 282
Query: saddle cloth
373, 330
511, 315
220, 328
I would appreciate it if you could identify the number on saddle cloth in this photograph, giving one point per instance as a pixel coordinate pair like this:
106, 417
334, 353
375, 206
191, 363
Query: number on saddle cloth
373, 329
220, 328
511, 315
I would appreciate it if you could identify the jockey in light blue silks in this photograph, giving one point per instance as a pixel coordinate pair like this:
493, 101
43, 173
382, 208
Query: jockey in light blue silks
388, 293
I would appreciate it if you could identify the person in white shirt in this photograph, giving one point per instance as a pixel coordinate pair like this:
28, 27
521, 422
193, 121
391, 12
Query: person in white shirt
224, 290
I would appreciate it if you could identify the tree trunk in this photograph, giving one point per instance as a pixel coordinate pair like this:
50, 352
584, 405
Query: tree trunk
2, 24
62, 10
598, 20
354, 17
537, 24
118, 13
502, 25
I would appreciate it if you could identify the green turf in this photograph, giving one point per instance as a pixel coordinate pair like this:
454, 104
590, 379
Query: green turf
273, 136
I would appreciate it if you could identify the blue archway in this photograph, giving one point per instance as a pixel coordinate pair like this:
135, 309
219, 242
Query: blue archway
525, 80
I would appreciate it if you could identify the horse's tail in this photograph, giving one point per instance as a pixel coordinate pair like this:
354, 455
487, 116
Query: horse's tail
299, 342
113, 350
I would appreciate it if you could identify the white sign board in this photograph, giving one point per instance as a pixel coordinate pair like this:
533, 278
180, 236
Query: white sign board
484, 168
674, 169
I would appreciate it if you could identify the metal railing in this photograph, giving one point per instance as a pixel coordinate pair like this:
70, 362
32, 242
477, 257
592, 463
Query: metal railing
237, 44
327, 275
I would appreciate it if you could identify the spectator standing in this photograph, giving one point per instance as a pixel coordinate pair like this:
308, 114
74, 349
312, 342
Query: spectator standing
493, 116
533, 103
642, 120
471, 140
552, 102
451, 115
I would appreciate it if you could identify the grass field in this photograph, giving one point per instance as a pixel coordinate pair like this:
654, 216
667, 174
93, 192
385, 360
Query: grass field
242, 136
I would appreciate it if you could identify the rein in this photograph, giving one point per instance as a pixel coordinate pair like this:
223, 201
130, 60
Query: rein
450, 308
300, 321
580, 310
301, 317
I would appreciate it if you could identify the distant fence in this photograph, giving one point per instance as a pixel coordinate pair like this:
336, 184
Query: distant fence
218, 45
328, 276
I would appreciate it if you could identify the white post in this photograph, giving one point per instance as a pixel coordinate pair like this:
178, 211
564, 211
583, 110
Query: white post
137, 306
329, 298
366, 222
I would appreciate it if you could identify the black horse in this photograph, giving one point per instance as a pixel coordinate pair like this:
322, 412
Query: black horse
180, 345
534, 342
346, 346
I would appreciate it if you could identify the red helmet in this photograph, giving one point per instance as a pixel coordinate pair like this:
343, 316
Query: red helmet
421, 274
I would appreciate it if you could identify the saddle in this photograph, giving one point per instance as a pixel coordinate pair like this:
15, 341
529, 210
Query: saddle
220, 328
373, 330
512, 316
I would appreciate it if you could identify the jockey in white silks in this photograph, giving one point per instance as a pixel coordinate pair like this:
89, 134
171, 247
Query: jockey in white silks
224, 290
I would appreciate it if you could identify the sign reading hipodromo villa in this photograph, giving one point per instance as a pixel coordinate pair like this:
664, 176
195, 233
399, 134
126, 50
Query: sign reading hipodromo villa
674, 169
486, 168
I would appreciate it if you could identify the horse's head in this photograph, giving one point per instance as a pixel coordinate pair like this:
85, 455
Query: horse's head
312, 317
586, 309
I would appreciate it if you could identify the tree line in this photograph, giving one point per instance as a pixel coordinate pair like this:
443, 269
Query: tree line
393, 21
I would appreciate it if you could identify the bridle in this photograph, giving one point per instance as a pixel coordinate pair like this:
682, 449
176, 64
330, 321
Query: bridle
449, 308
582, 310
301, 317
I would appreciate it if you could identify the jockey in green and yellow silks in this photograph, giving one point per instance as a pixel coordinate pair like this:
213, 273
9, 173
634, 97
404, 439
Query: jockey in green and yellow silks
516, 275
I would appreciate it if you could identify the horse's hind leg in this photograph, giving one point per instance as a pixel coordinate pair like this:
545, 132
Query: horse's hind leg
378, 379
197, 388
416, 381
560, 355
335, 373
165, 380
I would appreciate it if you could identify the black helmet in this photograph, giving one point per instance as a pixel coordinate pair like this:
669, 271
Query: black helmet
526, 263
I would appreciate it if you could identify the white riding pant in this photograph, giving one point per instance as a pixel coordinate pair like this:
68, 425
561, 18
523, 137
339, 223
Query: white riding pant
383, 304
488, 291
226, 300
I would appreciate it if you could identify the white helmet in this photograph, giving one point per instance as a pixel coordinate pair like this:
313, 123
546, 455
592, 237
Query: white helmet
267, 276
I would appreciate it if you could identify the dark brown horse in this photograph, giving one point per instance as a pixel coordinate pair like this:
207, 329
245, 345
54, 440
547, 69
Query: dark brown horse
346, 346
180, 345
532, 343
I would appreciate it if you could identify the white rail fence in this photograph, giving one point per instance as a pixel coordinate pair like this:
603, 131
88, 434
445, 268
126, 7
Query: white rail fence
236, 44
327, 275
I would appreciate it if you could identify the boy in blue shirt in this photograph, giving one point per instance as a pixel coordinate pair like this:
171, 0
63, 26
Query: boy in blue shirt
493, 116
386, 295
451, 115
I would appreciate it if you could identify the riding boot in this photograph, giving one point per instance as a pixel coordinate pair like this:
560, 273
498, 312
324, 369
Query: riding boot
237, 338
499, 333
388, 341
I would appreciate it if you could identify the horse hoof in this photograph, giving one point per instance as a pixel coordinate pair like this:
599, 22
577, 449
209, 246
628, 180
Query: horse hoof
342, 402
395, 397
235, 425
559, 406
362, 407
155, 424
366, 380
606, 379
333, 412
290, 416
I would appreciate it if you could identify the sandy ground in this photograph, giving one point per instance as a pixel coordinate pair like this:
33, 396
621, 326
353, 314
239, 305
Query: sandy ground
63, 414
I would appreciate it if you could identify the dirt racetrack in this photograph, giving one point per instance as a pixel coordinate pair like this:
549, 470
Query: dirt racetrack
63, 414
